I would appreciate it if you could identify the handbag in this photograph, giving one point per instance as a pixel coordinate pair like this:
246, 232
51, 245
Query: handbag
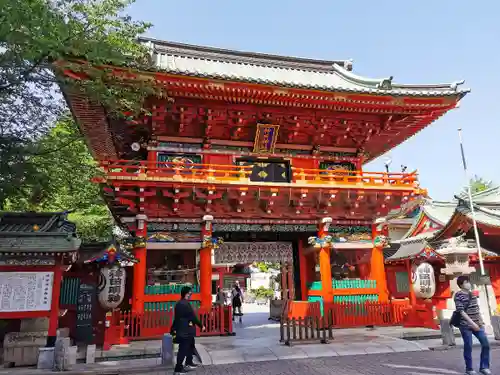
456, 317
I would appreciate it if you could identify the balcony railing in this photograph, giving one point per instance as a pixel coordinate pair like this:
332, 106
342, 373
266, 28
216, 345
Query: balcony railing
215, 173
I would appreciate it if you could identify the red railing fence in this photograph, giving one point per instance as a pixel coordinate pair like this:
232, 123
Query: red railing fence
125, 326
351, 315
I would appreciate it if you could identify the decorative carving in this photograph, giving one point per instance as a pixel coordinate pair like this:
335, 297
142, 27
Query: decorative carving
26, 261
319, 243
250, 252
140, 242
211, 242
113, 255
381, 242
161, 237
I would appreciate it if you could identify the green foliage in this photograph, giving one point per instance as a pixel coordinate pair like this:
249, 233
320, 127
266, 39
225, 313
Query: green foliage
64, 168
479, 184
263, 293
267, 266
36, 37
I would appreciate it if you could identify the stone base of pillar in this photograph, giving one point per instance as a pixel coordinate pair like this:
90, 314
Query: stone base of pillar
495, 322
447, 332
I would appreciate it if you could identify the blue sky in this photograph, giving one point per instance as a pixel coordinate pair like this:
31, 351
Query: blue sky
415, 41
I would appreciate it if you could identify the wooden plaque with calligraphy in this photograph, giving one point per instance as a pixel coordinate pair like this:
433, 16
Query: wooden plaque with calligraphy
265, 138
85, 303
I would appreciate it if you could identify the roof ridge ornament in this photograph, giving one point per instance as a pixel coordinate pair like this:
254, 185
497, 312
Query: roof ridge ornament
454, 85
386, 83
380, 83
348, 64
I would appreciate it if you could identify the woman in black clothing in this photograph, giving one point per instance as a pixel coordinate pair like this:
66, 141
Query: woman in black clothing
184, 328
237, 299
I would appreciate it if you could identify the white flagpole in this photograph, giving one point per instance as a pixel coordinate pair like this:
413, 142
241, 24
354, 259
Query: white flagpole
474, 222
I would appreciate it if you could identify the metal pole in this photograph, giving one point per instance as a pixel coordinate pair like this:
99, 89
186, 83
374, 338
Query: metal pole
474, 222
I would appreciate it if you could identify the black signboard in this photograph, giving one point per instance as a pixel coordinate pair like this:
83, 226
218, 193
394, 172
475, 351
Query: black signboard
85, 302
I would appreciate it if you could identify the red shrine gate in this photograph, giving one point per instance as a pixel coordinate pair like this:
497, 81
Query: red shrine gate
257, 140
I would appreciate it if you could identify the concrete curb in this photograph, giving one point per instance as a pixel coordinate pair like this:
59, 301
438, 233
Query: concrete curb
118, 371
97, 371
460, 346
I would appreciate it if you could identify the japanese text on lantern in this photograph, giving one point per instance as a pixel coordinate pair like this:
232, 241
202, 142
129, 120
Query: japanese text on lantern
423, 279
115, 285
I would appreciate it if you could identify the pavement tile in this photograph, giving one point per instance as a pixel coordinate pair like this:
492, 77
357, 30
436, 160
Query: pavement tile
287, 352
258, 355
318, 350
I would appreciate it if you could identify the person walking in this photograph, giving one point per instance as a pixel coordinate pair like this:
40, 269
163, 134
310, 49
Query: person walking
220, 298
471, 323
237, 299
184, 329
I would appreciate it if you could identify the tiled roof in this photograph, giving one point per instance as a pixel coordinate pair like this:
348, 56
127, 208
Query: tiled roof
408, 250
215, 63
95, 252
418, 238
35, 222
486, 205
37, 232
39, 244
440, 212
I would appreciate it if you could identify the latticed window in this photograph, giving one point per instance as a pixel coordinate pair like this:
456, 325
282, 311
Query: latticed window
402, 283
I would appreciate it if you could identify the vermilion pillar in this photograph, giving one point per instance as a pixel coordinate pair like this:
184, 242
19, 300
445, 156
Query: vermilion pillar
206, 263
377, 266
324, 261
140, 267
54, 307
303, 271
411, 292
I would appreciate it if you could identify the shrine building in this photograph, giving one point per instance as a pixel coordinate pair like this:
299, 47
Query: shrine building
432, 243
255, 157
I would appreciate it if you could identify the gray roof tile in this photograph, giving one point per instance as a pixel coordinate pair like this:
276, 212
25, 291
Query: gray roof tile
408, 250
25, 222
38, 244
35, 232
282, 71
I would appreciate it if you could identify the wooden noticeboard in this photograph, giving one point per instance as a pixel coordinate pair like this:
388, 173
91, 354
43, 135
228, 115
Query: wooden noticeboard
84, 306
25, 291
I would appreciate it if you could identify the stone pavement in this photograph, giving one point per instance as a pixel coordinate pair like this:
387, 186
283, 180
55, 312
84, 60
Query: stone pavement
256, 340
407, 363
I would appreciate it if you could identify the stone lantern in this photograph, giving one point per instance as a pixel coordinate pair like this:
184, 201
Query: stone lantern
456, 252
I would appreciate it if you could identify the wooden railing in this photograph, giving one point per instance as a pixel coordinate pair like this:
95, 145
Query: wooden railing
190, 172
316, 325
308, 329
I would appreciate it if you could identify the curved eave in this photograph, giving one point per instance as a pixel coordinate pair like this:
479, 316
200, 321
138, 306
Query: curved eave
411, 91
386, 85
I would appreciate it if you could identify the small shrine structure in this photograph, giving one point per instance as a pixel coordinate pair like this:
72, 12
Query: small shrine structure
437, 247
35, 251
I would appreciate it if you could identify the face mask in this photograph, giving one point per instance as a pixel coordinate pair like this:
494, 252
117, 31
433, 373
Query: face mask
467, 286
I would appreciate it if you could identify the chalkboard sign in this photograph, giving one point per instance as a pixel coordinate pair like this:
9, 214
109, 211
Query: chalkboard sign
85, 302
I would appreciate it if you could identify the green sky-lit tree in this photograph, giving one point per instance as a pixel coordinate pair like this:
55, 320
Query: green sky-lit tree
478, 184
64, 168
43, 167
